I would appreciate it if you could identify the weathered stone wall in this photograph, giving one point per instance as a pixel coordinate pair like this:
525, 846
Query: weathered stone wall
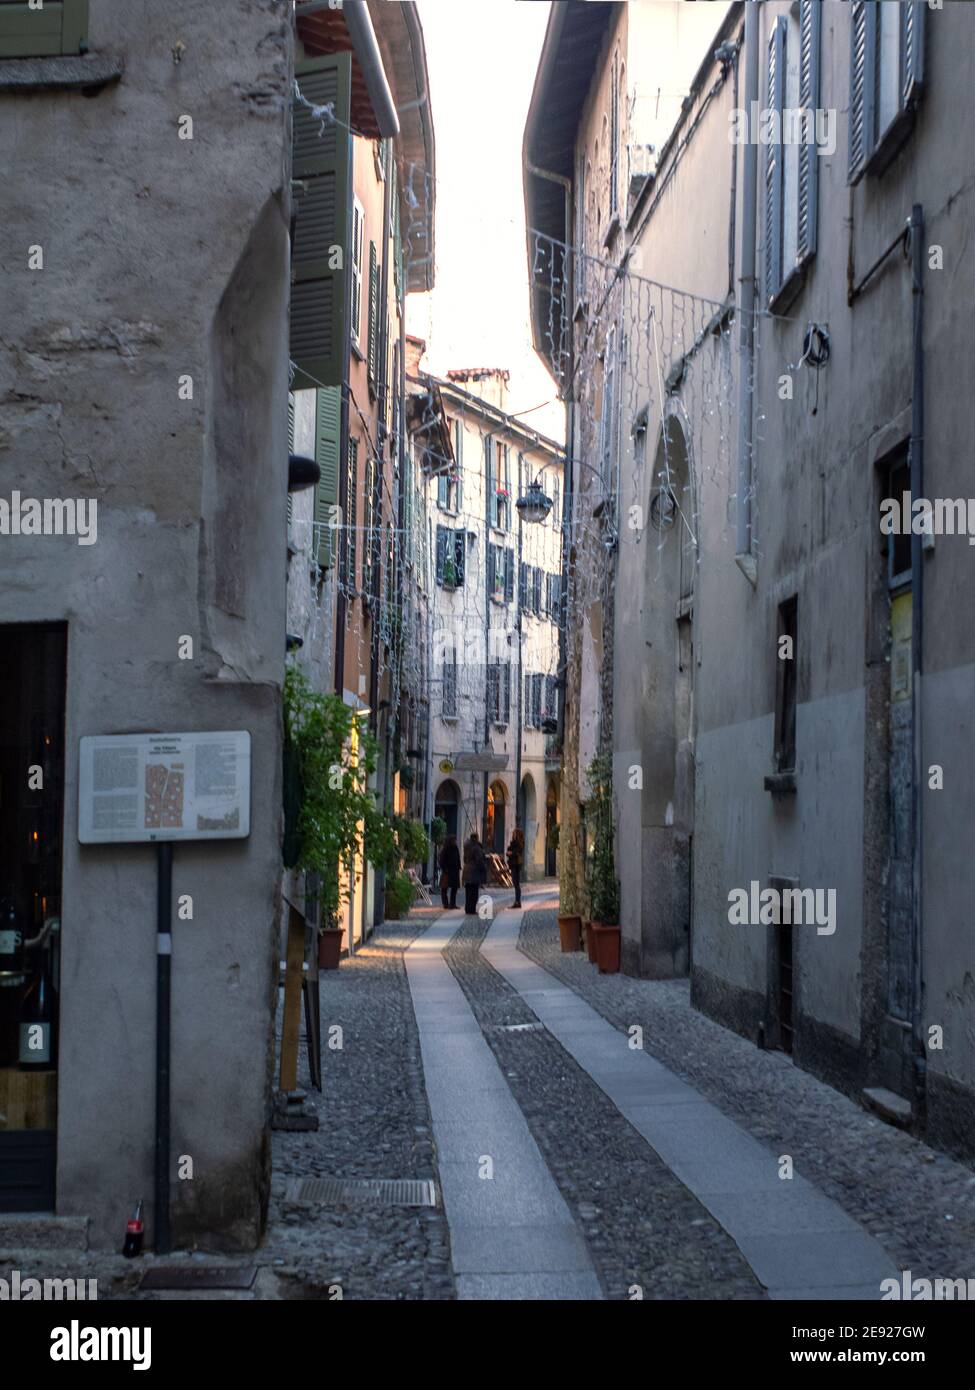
163, 258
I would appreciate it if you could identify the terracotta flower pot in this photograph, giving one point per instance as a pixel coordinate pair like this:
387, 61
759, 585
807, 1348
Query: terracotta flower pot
330, 948
570, 932
591, 943
607, 948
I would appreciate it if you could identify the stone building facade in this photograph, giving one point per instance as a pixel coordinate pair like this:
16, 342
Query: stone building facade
791, 341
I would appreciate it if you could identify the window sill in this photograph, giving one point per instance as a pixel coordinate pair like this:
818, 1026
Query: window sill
449, 718
612, 231
70, 72
781, 783
357, 351
791, 287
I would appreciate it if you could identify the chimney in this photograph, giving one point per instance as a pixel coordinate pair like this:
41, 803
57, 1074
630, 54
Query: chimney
489, 383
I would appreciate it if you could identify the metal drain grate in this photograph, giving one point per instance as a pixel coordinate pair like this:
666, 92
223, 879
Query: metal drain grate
390, 1192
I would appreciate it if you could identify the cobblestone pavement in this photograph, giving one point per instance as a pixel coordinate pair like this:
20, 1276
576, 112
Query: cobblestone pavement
641, 1224
373, 1123
917, 1202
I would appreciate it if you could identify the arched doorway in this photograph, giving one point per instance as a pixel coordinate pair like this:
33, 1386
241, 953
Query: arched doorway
447, 804
494, 840
668, 724
551, 830
528, 820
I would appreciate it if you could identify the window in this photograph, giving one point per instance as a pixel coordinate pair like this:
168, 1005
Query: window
886, 77
536, 603
358, 220
448, 492
792, 161
459, 444
499, 692
787, 657
351, 487
553, 585
899, 543
450, 557
501, 573
498, 483
58, 27
449, 707
556, 513
538, 684
551, 698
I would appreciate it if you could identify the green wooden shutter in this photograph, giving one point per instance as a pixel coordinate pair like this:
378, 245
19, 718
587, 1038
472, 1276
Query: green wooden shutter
441, 560
773, 162
328, 429
460, 540
351, 518
509, 575
59, 27
322, 162
490, 481
810, 17
373, 346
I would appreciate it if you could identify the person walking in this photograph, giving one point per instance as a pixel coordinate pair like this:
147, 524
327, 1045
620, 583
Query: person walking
449, 871
475, 873
516, 861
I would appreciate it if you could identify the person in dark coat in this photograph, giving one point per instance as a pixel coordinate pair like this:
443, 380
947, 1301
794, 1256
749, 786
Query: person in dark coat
449, 871
516, 861
475, 873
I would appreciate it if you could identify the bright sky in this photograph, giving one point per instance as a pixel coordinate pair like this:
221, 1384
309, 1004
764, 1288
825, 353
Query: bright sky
482, 56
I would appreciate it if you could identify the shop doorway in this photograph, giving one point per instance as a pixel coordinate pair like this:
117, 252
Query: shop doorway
32, 694
494, 841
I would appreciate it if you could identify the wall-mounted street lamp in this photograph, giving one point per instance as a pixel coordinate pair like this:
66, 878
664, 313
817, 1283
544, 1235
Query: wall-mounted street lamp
535, 505
303, 472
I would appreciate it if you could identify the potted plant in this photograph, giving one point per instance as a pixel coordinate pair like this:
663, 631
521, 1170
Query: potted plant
400, 893
604, 889
570, 931
391, 843
328, 760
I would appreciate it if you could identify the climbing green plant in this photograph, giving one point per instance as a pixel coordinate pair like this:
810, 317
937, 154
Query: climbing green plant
327, 765
601, 881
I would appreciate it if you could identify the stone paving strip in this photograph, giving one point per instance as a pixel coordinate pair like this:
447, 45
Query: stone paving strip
800, 1244
648, 1237
917, 1202
512, 1235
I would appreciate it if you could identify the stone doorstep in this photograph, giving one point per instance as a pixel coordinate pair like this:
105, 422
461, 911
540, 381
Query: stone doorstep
888, 1106
29, 1231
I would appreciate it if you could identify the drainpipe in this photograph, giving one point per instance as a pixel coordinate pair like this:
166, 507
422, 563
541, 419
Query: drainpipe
746, 310
363, 37
917, 646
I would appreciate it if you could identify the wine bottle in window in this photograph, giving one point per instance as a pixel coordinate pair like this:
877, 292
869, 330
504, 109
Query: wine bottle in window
11, 939
37, 1021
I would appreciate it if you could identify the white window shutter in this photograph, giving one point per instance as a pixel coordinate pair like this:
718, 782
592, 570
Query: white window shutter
810, 16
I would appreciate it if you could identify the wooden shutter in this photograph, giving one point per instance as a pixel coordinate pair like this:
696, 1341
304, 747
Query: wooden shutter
441, 552
810, 17
509, 575
493, 672
291, 449
912, 50
328, 429
351, 517
863, 85
460, 539
522, 585
322, 163
490, 482
536, 702
773, 162
59, 27
507, 692
373, 344
551, 698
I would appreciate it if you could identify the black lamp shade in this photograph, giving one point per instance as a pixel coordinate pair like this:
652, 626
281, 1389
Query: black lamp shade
302, 472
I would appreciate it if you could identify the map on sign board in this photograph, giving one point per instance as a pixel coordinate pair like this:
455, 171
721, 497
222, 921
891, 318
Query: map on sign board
137, 787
